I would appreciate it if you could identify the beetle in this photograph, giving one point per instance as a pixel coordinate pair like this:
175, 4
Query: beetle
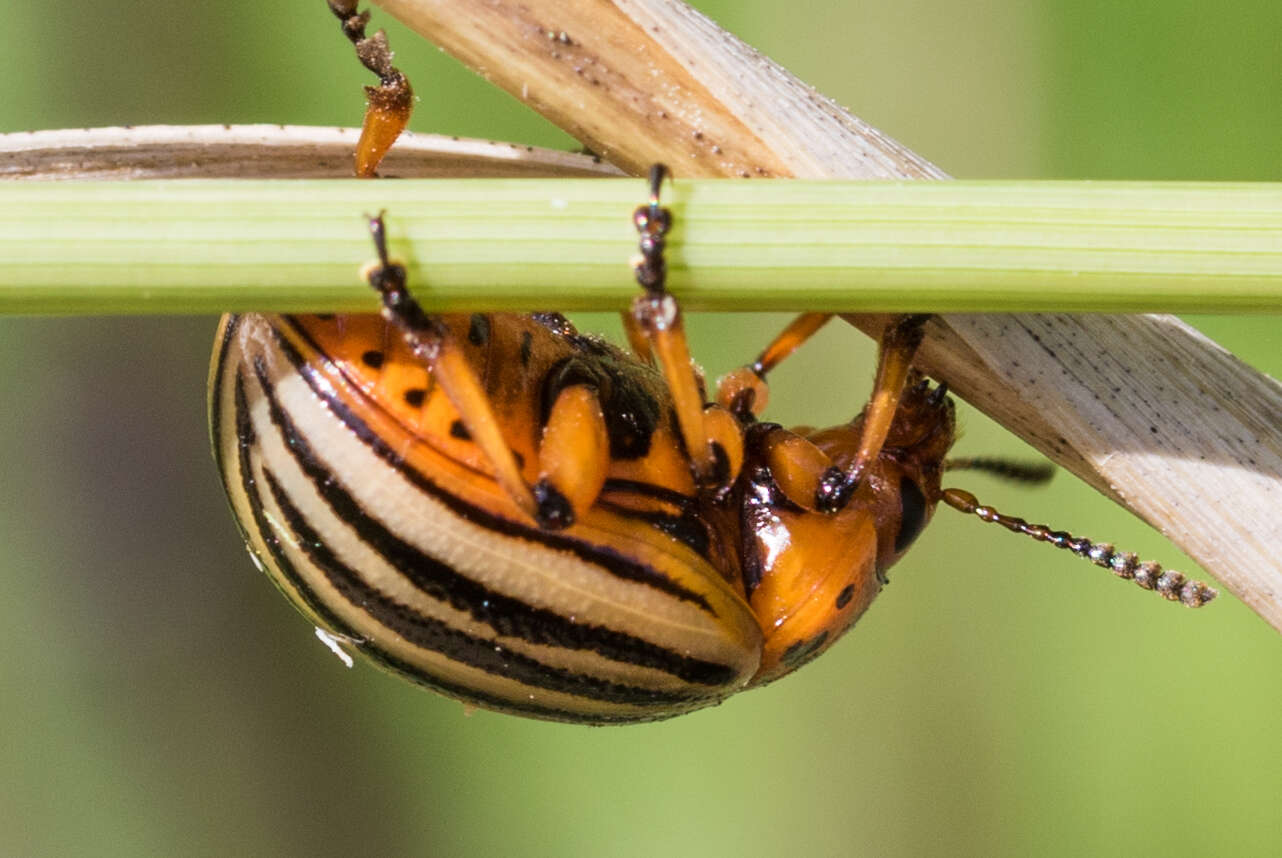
530, 519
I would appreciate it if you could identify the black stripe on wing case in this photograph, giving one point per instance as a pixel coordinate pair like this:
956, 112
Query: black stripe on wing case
437, 636
508, 616
598, 555
246, 440
248, 486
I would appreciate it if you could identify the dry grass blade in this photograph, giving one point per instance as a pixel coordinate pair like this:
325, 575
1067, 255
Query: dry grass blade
266, 152
652, 80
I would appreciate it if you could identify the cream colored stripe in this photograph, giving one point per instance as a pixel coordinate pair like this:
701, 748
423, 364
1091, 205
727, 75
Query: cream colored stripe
532, 573
431, 664
378, 574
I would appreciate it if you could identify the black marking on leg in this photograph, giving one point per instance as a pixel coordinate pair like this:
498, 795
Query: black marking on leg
554, 511
720, 475
834, 490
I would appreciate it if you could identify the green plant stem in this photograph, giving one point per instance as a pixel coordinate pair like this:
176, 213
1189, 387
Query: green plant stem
211, 246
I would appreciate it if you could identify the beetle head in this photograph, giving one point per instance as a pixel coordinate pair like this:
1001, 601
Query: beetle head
810, 574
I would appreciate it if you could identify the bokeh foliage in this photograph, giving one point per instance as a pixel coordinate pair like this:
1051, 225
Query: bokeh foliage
158, 697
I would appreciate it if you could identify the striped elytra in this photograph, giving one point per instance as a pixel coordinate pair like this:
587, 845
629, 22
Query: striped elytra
362, 493
532, 520
380, 523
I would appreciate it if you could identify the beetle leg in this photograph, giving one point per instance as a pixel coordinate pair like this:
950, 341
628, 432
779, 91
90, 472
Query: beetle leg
657, 317
898, 345
637, 338
390, 103
788, 341
432, 343
796, 465
743, 391
574, 456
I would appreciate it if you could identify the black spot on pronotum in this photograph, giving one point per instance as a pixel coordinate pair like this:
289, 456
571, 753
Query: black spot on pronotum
631, 412
912, 513
478, 332
843, 598
325, 317
527, 342
414, 397
458, 430
631, 418
372, 359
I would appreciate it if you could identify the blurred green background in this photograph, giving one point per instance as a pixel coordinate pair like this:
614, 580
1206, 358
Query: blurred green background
159, 698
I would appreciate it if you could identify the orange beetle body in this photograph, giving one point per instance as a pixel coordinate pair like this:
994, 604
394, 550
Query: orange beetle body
534, 521
363, 493
810, 575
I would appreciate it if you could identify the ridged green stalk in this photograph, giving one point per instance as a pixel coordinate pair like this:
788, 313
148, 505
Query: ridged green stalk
209, 246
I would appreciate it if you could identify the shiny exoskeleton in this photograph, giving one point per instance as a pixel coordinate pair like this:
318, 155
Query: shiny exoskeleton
533, 520
510, 511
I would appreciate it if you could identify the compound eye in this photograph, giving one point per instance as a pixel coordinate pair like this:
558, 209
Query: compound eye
912, 513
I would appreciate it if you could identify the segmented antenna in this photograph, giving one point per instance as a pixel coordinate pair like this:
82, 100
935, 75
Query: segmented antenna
1009, 469
1173, 585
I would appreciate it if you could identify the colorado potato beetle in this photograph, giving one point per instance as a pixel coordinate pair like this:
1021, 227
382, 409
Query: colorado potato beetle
533, 520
